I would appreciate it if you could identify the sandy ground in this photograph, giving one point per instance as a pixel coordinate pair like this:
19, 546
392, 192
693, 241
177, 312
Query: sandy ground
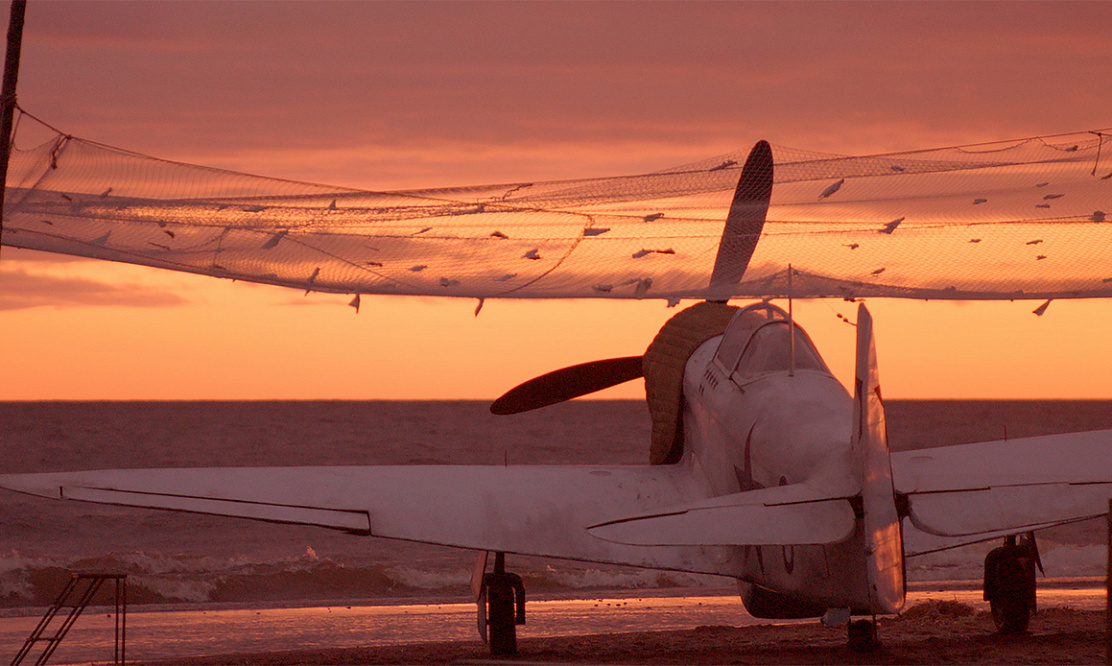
930, 633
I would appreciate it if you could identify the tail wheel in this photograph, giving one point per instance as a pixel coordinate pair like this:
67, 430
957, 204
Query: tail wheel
862, 636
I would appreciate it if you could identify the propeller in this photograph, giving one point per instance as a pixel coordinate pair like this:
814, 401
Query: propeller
746, 218
739, 239
567, 383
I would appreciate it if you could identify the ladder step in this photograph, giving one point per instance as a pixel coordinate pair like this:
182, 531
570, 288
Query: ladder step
92, 584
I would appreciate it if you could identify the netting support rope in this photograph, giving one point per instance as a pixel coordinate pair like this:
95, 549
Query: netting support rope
1100, 144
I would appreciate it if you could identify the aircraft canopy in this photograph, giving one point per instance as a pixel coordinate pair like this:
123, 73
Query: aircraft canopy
757, 342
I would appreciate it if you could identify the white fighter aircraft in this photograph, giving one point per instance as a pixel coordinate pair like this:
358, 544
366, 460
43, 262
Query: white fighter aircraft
764, 469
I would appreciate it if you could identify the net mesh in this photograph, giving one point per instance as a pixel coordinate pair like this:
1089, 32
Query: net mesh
1006, 220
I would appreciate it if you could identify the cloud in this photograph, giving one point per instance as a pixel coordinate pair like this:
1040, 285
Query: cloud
193, 80
21, 290
18, 255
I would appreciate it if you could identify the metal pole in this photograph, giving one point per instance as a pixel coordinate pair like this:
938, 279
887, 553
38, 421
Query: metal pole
791, 326
116, 657
123, 627
1108, 594
7, 98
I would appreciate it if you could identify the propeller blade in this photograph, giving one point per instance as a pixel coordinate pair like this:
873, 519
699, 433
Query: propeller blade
746, 219
567, 383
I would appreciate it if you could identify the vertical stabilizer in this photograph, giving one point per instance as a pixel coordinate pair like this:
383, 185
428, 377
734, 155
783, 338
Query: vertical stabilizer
881, 522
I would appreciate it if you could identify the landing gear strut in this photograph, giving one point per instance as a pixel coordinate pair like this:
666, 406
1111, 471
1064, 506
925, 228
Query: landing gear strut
503, 600
1010, 583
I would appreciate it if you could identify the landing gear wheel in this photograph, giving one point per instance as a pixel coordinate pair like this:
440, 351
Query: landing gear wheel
1011, 605
1011, 618
505, 607
1010, 587
862, 636
501, 628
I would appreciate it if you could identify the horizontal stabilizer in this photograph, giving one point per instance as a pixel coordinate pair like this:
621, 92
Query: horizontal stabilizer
1011, 508
1016, 485
773, 516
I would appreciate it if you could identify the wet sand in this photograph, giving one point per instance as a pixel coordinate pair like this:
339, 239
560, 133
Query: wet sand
942, 619
930, 633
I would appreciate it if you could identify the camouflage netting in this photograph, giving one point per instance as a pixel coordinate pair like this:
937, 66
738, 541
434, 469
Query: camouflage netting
1014, 219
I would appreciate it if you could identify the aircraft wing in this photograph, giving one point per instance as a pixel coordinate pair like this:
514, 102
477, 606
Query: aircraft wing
976, 491
535, 510
486, 507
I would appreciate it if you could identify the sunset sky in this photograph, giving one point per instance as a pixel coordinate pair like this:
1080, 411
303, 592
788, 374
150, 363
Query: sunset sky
403, 95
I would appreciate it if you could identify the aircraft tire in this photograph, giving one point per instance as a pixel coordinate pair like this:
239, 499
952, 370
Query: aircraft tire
862, 636
501, 627
1010, 589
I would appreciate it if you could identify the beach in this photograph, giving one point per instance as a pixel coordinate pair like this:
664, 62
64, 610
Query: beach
927, 637
650, 626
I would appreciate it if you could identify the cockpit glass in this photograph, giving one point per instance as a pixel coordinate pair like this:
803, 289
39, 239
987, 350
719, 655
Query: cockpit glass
769, 350
739, 331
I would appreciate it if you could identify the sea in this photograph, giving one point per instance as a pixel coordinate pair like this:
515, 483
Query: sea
206, 565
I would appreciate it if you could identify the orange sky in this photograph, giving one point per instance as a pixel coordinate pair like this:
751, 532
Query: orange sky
395, 95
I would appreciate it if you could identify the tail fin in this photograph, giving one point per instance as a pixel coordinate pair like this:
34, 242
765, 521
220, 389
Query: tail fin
883, 537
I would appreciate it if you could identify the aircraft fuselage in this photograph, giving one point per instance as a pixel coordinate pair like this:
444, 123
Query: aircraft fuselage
757, 418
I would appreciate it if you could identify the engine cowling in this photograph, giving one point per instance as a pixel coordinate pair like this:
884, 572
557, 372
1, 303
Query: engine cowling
664, 362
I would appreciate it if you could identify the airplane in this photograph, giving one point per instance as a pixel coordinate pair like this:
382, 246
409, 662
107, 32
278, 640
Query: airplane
763, 468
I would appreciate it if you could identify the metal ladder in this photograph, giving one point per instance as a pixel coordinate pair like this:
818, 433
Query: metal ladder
77, 595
